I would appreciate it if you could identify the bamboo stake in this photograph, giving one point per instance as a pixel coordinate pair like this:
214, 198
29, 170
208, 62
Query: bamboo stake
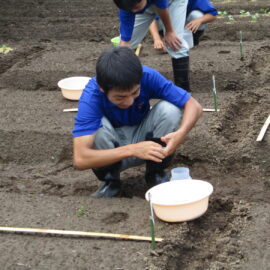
263, 129
137, 52
77, 233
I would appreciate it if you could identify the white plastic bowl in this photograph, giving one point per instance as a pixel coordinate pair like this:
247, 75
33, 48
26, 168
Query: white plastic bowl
182, 200
72, 87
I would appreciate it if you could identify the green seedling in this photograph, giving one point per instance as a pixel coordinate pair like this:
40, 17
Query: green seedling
230, 18
255, 17
243, 12
223, 13
264, 10
81, 211
5, 49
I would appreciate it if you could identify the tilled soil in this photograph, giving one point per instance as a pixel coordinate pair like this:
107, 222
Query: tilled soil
40, 188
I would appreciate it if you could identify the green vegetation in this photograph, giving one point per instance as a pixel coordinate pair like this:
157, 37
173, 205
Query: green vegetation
5, 49
243, 12
222, 13
230, 18
264, 10
81, 211
255, 17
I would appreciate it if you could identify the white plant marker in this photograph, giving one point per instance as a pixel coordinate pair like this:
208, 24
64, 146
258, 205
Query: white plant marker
214, 93
263, 129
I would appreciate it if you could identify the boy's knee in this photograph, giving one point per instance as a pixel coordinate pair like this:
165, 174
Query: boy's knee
169, 111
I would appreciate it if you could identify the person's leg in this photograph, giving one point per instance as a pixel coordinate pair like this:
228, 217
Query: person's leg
180, 58
162, 119
107, 138
141, 26
195, 14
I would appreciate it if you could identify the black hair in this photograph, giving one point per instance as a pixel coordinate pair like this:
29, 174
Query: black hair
118, 68
127, 5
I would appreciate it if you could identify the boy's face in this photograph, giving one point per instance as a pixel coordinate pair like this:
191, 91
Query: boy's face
123, 99
139, 6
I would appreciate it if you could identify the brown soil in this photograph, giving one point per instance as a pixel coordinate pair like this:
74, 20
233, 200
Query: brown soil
40, 188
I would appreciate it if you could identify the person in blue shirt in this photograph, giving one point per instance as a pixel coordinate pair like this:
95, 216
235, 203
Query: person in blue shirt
135, 19
116, 129
199, 13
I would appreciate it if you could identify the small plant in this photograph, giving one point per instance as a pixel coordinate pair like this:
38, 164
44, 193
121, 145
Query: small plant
230, 18
255, 17
5, 49
264, 10
243, 12
223, 13
81, 211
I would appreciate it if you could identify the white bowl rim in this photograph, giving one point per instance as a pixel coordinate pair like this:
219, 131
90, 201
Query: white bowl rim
186, 201
60, 83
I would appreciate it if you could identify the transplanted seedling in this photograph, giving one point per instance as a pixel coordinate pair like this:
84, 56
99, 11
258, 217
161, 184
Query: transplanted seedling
243, 12
81, 211
5, 49
222, 13
264, 10
230, 18
255, 17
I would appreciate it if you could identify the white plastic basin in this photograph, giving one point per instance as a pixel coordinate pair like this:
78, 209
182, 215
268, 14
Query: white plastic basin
178, 201
72, 87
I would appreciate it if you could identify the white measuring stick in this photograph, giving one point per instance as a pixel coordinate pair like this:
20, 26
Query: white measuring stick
76, 109
71, 110
263, 129
210, 110
137, 52
77, 233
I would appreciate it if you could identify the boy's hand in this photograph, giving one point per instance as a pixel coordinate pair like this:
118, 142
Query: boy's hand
159, 45
194, 25
172, 41
172, 141
148, 150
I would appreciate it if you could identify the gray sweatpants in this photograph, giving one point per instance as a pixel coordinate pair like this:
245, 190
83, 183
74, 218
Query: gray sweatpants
162, 119
177, 10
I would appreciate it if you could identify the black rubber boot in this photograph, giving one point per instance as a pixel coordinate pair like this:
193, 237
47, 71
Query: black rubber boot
181, 72
155, 172
111, 176
196, 37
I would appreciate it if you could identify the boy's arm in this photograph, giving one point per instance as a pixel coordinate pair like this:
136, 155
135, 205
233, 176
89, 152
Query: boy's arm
127, 20
192, 112
158, 43
85, 157
195, 24
170, 38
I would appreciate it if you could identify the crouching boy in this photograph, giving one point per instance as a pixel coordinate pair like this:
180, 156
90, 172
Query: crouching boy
116, 129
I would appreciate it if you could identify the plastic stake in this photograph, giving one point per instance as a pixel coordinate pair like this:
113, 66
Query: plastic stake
241, 45
214, 93
152, 224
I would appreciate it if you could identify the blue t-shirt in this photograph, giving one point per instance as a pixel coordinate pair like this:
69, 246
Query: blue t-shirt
204, 6
94, 104
127, 18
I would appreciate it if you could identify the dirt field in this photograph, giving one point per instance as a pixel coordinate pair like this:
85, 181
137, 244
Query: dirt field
40, 188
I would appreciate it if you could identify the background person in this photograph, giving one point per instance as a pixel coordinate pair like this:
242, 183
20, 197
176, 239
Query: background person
115, 128
199, 13
135, 19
